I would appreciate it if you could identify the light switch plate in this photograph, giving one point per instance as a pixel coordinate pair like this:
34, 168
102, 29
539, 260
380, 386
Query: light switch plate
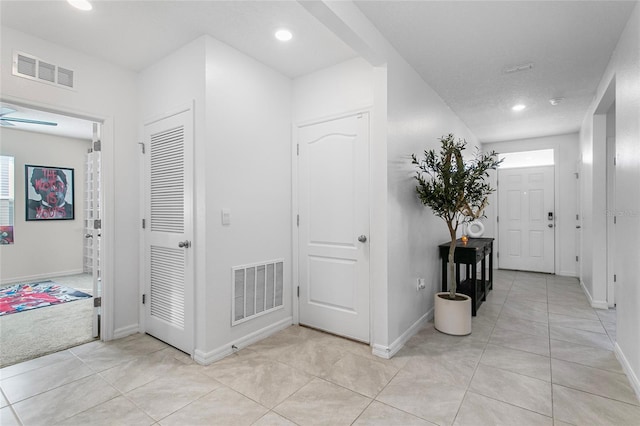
226, 217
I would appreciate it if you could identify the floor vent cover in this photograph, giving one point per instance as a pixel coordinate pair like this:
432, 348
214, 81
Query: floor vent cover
33, 68
256, 290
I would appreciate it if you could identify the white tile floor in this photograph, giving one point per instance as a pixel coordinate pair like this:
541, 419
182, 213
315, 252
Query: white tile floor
538, 354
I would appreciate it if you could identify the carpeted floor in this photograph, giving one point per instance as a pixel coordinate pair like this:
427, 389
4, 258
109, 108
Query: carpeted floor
38, 332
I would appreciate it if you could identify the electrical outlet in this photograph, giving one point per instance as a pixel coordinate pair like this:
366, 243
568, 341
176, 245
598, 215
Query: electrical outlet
421, 284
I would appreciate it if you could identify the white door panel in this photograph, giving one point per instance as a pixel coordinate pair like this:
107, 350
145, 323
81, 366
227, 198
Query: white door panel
333, 187
526, 233
168, 258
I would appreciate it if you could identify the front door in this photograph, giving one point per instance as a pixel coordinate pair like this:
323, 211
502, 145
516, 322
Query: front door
168, 229
333, 166
526, 219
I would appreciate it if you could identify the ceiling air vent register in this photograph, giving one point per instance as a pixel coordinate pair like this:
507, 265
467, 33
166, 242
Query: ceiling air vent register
33, 68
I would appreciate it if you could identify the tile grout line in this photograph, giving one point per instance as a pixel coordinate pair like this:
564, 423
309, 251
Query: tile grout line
481, 355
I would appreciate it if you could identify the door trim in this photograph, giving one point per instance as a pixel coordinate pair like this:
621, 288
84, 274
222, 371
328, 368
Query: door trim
295, 233
107, 189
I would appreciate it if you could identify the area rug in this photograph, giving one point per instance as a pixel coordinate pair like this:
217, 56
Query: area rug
23, 297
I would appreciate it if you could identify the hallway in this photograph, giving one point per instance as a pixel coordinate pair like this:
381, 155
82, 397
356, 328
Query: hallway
538, 354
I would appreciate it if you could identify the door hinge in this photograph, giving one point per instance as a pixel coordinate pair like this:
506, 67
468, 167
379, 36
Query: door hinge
497, 218
297, 149
577, 175
614, 220
141, 146
144, 299
298, 221
614, 161
97, 302
615, 278
577, 259
144, 223
577, 217
298, 291
97, 146
97, 224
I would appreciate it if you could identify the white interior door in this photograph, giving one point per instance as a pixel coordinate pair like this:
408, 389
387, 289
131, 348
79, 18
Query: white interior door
526, 215
333, 166
169, 266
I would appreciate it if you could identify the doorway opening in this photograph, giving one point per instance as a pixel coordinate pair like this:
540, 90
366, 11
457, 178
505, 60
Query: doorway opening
53, 251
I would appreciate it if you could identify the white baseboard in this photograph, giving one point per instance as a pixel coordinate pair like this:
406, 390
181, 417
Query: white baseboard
31, 278
633, 378
571, 274
121, 332
596, 304
206, 358
387, 352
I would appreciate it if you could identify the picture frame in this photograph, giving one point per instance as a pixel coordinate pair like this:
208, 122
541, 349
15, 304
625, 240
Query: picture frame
49, 193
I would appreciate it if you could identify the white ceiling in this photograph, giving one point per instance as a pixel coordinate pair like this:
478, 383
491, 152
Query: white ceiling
66, 126
460, 48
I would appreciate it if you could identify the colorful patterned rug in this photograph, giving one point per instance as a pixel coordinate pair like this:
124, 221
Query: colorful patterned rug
23, 297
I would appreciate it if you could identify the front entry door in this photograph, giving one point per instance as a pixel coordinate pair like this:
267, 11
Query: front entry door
526, 219
169, 266
333, 166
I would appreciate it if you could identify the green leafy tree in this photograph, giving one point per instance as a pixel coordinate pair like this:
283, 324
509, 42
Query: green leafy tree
455, 190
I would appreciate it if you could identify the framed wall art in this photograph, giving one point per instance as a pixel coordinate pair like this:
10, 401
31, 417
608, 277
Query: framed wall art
48, 193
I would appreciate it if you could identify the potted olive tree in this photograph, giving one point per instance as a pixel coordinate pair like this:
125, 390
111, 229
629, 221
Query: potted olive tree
456, 190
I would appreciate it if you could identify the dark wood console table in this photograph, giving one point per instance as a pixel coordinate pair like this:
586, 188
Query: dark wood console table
474, 251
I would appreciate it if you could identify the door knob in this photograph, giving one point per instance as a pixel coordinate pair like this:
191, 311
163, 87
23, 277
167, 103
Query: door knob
184, 244
550, 225
88, 235
362, 238
578, 226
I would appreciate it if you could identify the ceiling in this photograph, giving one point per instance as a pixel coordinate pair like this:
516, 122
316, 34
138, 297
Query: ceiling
460, 48
66, 126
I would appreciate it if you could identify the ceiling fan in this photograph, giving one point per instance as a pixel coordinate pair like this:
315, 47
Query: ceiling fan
8, 121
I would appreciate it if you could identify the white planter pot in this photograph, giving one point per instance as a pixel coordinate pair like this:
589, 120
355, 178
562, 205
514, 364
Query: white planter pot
452, 316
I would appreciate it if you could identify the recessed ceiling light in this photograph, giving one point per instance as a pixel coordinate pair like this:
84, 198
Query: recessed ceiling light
555, 101
518, 107
284, 35
80, 4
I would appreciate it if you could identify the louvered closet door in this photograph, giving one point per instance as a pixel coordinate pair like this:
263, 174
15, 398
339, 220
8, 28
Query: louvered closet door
169, 295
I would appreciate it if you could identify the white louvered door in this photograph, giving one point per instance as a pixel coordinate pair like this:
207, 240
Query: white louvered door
169, 294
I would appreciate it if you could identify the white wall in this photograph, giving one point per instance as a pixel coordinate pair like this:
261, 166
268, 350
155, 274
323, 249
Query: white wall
417, 119
247, 170
624, 67
408, 118
338, 89
106, 92
243, 163
565, 157
43, 249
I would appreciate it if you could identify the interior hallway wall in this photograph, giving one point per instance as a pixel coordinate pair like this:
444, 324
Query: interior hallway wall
624, 67
107, 92
43, 249
242, 163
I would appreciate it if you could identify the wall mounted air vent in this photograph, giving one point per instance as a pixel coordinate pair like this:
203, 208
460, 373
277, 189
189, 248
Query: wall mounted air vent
33, 68
256, 290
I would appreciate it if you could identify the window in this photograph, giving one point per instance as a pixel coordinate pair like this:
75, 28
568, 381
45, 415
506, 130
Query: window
542, 157
7, 198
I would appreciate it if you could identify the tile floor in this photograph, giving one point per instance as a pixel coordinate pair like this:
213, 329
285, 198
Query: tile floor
538, 354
